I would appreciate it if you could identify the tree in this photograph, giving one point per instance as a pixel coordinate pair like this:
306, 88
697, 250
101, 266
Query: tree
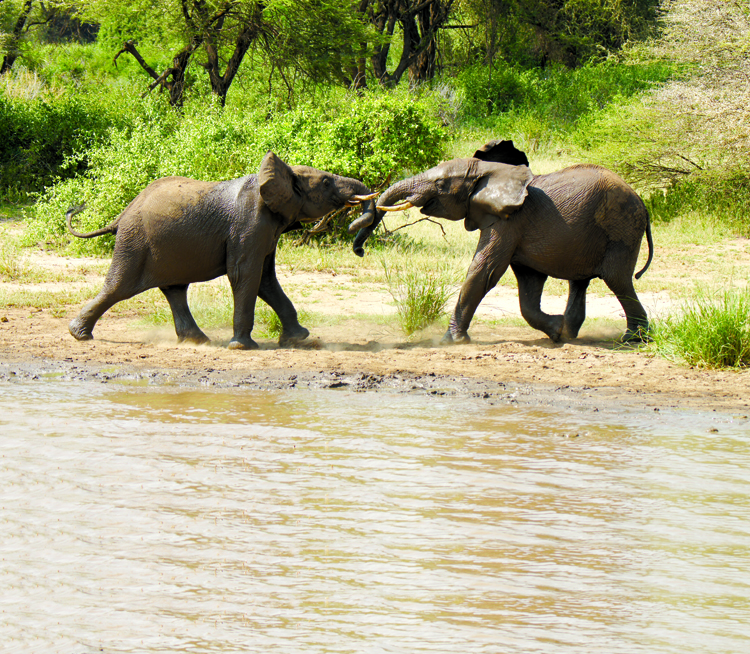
420, 22
562, 31
325, 41
322, 40
225, 30
17, 18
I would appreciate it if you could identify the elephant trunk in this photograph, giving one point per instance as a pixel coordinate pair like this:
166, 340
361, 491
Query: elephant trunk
365, 220
364, 233
369, 221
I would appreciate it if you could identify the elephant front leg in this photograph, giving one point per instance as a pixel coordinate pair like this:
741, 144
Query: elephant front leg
491, 260
272, 294
245, 282
530, 286
184, 323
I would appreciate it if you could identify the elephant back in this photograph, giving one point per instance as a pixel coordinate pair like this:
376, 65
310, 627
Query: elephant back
594, 193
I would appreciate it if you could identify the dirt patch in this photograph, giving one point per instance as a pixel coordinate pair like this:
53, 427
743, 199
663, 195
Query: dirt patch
355, 344
503, 363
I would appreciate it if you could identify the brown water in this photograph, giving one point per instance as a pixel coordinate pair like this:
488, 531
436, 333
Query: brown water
167, 520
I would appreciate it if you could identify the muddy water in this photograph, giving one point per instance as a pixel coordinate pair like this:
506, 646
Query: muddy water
167, 520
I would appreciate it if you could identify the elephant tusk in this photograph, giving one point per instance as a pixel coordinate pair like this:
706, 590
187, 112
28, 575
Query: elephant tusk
359, 199
403, 206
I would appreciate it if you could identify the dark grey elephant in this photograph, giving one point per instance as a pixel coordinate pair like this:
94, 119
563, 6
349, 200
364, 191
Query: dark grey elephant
577, 224
178, 231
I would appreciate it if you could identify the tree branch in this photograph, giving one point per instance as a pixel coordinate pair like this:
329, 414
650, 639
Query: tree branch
425, 219
129, 46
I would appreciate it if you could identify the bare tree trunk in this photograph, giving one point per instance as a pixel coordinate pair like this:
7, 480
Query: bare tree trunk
420, 21
175, 85
424, 66
15, 38
220, 83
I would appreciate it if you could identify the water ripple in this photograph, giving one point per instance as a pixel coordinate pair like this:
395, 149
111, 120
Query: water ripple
159, 520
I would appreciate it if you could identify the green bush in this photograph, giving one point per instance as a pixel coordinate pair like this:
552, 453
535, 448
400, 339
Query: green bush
38, 137
556, 95
711, 331
372, 138
726, 199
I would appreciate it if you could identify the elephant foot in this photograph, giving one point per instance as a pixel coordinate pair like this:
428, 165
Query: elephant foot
459, 338
569, 333
242, 344
556, 328
290, 338
638, 335
194, 339
78, 331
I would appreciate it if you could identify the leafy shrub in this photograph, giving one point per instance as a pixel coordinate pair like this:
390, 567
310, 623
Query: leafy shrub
556, 95
371, 138
38, 137
712, 330
726, 199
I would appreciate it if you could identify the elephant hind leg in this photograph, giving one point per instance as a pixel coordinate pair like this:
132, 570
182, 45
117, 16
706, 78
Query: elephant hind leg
530, 286
124, 280
82, 326
575, 311
184, 323
637, 318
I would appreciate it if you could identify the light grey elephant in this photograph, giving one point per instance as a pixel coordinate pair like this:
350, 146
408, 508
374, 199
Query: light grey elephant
178, 231
578, 224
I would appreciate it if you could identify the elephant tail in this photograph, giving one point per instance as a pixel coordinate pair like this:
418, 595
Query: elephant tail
109, 229
650, 242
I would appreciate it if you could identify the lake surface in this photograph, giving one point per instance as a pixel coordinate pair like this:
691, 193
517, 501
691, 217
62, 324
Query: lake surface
138, 519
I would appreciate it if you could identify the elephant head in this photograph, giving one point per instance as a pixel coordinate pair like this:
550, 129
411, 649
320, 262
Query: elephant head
475, 191
304, 194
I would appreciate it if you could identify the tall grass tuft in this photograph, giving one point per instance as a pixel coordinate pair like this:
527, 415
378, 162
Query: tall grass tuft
712, 331
420, 295
12, 267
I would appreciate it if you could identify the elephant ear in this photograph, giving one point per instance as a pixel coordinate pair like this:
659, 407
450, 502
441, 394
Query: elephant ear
502, 152
497, 194
279, 186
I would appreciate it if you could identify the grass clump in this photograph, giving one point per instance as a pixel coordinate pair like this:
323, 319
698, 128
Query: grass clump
712, 331
420, 295
12, 267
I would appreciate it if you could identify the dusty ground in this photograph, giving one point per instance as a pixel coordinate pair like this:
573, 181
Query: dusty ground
503, 363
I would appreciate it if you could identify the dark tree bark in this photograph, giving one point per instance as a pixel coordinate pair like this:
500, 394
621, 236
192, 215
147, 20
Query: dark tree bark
420, 22
250, 30
15, 37
210, 30
173, 78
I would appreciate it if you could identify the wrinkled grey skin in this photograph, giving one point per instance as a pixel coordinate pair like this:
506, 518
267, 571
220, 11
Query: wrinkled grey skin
577, 224
178, 231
